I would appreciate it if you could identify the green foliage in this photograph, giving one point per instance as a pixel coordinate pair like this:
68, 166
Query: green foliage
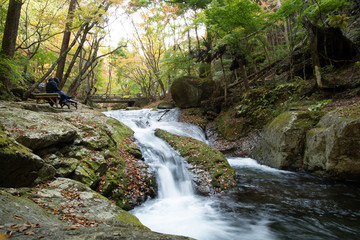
236, 25
3, 11
241, 25
262, 104
339, 20
192, 4
326, 68
289, 7
9, 69
234, 15
320, 105
314, 9
324, 7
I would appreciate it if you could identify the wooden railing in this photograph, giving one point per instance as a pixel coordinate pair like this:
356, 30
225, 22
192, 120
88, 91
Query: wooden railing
116, 98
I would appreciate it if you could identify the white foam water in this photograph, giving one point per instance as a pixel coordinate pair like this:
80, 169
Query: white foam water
177, 209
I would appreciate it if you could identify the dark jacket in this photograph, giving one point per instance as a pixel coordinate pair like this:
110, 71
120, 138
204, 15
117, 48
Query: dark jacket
51, 86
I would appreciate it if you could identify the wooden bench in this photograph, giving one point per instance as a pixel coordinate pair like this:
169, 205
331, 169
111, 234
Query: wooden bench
51, 98
54, 99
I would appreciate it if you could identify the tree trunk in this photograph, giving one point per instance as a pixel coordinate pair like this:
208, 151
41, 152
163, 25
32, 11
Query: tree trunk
9, 41
225, 82
105, 6
244, 74
84, 70
78, 50
11, 28
66, 40
313, 47
28, 92
189, 43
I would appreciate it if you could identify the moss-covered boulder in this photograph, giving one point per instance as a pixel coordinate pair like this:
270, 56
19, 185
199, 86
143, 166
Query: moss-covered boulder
19, 167
283, 140
320, 142
67, 209
332, 148
208, 165
188, 92
83, 145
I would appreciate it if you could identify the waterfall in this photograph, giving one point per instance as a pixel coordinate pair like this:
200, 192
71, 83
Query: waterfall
176, 209
267, 203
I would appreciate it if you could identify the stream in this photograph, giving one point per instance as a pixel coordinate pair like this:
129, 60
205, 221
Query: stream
266, 204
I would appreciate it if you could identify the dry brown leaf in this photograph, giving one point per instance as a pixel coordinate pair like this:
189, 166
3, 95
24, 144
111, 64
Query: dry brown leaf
3, 236
29, 233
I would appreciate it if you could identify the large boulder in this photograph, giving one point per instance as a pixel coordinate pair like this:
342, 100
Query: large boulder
83, 145
283, 140
332, 149
188, 92
19, 167
323, 143
67, 209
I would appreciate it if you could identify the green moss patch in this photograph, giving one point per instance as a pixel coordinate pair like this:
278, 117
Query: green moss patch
230, 127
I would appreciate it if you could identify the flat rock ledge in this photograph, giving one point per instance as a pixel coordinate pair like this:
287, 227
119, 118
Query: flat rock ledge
67, 209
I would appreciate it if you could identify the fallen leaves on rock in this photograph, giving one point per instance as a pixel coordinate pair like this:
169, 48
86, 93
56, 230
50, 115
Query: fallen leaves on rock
136, 182
24, 228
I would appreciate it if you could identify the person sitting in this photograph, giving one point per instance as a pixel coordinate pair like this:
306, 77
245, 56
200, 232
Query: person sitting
51, 87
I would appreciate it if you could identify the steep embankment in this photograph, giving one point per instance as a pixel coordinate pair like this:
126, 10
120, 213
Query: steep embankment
292, 124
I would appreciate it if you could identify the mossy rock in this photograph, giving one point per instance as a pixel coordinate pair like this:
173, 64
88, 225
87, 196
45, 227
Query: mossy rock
204, 157
119, 131
97, 147
230, 127
188, 92
66, 209
19, 167
165, 105
332, 148
284, 138
66, 166
83, 173
134, 151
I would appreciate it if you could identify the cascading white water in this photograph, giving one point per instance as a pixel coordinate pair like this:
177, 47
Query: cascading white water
267, 203
176, 210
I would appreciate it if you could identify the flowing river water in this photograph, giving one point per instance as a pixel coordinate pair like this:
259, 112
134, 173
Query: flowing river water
266, 204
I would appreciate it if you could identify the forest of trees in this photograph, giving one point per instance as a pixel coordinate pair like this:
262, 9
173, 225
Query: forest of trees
229, 41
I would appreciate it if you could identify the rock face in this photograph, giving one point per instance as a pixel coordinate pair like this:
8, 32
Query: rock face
333, 147
83, 145
327, 145
67, 209
283, 140
188, 92
18, 166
